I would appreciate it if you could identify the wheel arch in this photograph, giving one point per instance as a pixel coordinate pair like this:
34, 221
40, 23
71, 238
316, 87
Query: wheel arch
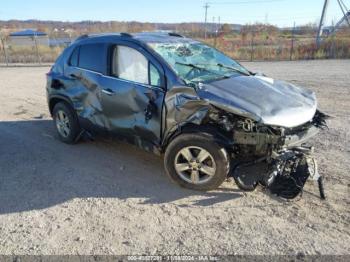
54, 100
210, 131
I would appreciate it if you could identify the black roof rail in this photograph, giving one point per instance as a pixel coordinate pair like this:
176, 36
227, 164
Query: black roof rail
175, 34
82, 37
125, 34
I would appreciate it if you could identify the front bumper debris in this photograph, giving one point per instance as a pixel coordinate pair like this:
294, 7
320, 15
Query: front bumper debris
287, 173
262, 139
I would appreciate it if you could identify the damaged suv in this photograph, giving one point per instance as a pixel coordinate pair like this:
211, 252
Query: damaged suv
172, 95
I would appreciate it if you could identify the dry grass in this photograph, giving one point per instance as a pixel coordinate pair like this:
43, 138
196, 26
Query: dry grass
280, 48
241, 47
30, 54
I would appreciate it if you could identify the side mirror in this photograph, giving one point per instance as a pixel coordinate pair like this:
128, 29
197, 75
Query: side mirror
259, 73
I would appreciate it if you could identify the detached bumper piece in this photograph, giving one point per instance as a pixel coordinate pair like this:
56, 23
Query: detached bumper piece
286, 175
289, 183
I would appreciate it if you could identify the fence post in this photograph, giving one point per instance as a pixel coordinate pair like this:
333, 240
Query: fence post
333, 53
252, 48
4, 50
292, 46
37, 49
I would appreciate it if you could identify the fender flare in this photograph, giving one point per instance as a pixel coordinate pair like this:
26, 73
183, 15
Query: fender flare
54, 99
211, 132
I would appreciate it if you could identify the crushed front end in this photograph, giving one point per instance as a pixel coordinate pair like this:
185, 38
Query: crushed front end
287, 156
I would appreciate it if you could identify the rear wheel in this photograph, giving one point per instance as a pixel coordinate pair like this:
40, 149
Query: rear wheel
196, 162
66, 123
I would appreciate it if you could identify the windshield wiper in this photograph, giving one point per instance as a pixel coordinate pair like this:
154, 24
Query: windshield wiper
201, 68
233, 69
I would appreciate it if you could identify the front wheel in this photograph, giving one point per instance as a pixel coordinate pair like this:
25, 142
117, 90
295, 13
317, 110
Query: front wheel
196, 161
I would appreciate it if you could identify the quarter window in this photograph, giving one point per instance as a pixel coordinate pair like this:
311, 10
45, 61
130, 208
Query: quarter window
154, 75
74, 59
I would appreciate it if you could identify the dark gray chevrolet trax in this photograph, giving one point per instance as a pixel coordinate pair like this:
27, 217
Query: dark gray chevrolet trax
172, 95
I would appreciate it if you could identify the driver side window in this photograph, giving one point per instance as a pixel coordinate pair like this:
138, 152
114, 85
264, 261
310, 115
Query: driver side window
129, 64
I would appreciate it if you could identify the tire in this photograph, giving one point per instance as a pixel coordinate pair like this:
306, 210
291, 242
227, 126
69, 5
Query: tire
216, 164
71, 120
244, 179
243, 186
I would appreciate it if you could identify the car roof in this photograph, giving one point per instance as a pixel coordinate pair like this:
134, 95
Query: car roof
144, 37
154, 37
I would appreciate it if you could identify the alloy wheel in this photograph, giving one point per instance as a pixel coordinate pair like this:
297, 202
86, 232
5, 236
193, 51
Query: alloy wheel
62, 123
195, 165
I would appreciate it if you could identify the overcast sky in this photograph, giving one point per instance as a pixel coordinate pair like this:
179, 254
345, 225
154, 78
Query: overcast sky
278, 12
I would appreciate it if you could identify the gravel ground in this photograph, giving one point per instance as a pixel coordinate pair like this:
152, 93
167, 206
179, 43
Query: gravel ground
107, 197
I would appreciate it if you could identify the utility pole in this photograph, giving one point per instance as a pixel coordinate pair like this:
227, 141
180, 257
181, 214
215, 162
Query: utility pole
319, 33
219, 25
214, 29
206, 6
217, 28
266, 18
214, 25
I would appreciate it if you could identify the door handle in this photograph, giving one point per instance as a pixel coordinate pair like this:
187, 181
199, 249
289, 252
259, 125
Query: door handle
108, 91
73, 76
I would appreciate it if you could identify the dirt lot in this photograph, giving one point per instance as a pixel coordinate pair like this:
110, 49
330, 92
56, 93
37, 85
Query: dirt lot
106, 197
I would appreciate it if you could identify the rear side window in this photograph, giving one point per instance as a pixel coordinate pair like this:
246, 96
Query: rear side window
93, 57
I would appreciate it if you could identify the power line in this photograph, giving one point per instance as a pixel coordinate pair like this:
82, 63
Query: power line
206, 6
245, 2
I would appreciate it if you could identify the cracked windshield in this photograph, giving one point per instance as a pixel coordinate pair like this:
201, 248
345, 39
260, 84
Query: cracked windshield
196, 62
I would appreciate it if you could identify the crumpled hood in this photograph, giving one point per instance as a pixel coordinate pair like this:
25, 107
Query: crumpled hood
263, 99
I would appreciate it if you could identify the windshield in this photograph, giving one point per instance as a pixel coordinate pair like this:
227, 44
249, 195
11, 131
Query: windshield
197, 62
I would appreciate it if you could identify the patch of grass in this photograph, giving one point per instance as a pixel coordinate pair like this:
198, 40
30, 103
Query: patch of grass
30, 54
264, 47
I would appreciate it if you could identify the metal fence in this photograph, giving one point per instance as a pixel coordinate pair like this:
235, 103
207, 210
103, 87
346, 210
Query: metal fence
249, 47
29, 53
263, 47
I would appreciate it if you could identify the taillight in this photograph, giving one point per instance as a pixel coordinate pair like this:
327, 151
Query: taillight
49, 73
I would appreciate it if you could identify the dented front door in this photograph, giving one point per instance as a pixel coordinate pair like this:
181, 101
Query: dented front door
132, 107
